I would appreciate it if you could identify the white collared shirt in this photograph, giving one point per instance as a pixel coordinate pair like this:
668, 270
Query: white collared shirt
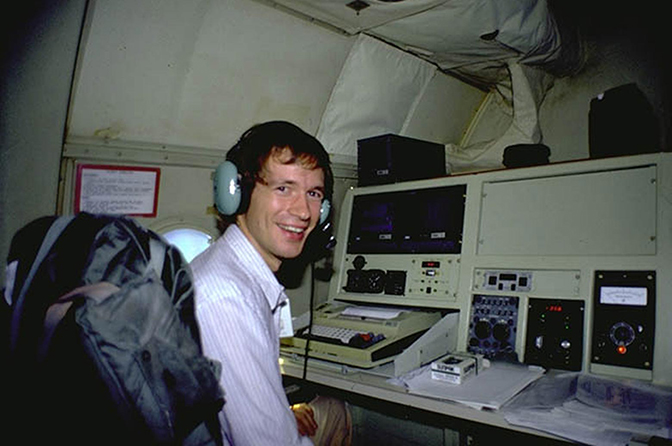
238, 301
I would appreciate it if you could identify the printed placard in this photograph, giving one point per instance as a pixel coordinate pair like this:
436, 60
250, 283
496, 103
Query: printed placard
117, 190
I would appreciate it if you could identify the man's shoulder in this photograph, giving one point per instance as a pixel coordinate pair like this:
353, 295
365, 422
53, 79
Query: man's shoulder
224, 253
221, 270
221, 263
231, 270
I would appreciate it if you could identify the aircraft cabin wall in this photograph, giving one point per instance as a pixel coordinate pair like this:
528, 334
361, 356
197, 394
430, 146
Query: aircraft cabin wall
37, 63
172, 85
163, 83
620, 47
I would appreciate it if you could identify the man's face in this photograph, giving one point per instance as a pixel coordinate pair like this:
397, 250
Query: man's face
284, 208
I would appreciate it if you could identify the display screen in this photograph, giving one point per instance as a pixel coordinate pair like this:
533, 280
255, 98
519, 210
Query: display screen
623, 295
414, 221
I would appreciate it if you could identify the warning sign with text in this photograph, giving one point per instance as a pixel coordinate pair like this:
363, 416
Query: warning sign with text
117, 190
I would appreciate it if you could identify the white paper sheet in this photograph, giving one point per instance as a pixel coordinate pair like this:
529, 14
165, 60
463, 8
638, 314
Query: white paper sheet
593, 410
490, 389
372, 312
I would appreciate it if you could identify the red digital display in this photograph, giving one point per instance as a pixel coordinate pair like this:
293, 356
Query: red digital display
554, 308
431, 264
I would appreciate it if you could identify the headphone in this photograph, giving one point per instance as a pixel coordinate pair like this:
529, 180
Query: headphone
233, 197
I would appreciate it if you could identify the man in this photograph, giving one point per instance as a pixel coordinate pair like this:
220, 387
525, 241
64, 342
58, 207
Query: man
285, 175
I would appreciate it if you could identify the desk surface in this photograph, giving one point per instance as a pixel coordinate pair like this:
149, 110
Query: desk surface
370, 384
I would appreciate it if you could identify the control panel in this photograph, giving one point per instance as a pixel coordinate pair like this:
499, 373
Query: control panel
507, 280
554, 337
493, 325
428, 276
624, 305
567, 266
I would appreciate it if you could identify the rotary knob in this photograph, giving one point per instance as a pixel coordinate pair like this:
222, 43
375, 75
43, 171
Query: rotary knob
622, 333
501, 331
482, 329
359, 262
376, 281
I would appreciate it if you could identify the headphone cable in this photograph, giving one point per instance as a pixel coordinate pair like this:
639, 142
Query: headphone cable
310, 320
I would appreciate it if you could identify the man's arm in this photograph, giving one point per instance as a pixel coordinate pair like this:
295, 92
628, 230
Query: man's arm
242, 338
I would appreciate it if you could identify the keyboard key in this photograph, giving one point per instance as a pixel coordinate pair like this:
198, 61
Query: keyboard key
343, 336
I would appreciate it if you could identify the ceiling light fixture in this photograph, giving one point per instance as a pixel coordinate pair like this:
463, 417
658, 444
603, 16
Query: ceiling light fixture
358, 5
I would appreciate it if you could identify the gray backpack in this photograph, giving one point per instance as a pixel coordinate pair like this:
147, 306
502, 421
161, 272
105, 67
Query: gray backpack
104, 347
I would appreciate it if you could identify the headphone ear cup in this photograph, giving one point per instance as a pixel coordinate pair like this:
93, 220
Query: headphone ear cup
324, 211
227, 190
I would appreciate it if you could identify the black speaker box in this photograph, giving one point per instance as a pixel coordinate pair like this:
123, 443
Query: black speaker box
621, 121
392, 158
525, 155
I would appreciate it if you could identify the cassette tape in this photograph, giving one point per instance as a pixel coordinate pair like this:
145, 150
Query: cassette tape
456, 367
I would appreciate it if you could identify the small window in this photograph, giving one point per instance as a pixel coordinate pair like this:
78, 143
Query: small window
190, 242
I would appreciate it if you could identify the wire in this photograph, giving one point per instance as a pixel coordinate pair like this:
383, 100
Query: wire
310, 320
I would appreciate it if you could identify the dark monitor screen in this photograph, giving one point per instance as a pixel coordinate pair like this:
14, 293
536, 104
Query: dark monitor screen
412, 221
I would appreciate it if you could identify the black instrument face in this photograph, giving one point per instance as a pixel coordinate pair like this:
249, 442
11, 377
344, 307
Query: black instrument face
555, 333
624, 305
374, 281
492, 329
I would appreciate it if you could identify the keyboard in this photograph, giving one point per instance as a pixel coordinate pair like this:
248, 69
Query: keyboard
342, 336
360, 341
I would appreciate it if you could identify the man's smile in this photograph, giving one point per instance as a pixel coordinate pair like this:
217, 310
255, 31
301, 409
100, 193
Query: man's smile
295, 229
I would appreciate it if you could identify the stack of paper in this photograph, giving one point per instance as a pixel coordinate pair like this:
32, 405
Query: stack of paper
490, 389
593, 410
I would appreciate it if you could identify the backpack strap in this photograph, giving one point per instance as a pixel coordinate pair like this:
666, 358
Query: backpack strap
157, 247
96, 291
54, 232
157, 255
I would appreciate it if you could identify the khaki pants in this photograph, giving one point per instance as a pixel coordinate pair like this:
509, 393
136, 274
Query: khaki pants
334, 424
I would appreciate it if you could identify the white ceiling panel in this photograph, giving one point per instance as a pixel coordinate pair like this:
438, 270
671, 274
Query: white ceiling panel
472, 37
347, 15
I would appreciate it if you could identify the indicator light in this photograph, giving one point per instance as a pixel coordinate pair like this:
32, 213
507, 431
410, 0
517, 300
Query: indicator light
621, 349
